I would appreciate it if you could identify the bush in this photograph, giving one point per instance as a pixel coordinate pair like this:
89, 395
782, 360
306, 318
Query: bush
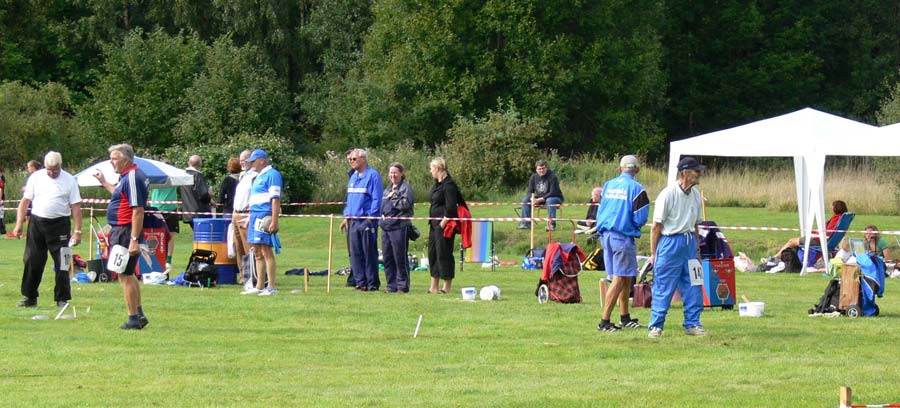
493, 153
298, 180
36, 120
330, 171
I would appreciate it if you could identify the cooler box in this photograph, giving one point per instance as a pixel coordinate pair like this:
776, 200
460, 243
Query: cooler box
155, 238
212, 234
718, 283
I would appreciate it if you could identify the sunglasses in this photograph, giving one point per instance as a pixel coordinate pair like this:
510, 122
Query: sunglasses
353, 159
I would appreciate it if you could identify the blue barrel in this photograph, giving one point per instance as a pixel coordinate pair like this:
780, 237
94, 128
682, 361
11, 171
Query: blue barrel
212, 234
211, 229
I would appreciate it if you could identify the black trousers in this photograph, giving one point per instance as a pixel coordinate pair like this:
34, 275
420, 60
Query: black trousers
45, 235
440, 253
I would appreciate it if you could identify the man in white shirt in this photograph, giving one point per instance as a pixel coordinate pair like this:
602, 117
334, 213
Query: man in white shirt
241, 214
673, 244
55, 198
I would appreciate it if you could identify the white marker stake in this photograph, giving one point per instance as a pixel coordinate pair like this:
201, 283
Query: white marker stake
419, 324
61, 311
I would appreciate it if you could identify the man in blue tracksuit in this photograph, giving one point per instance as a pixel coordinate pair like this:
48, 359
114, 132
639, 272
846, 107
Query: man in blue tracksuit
623, 211
363, 200
673, 243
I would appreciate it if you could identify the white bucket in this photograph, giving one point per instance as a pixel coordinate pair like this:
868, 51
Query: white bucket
489, 293
751, 309
469, 293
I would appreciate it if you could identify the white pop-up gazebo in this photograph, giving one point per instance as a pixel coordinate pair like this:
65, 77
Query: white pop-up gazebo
807, 135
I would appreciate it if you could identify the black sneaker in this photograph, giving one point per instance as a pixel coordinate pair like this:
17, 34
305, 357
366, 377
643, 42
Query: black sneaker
27, 302
61, 303
631, 324
131, 326
143, 321
608, 327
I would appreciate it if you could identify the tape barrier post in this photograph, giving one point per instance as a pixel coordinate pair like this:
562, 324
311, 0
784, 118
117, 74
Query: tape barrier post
532, 221
330, 249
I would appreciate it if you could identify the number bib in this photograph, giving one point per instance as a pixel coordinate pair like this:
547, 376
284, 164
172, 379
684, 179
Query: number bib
118, 259
696, 271
65, 258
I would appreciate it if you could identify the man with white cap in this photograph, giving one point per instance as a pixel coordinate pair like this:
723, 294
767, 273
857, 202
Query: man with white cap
673, 244
265, 208
623, 210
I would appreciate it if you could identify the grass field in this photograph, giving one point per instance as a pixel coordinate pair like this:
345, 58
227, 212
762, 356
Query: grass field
214, 347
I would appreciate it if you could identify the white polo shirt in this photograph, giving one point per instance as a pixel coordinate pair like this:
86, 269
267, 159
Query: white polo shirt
51, 197
242, 191
677, 211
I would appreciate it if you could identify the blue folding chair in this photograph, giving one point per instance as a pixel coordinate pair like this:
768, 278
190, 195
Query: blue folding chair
815, 251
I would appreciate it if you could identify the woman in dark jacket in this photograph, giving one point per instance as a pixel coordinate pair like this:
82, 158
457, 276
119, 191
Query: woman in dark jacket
229, 185
444, 197
397, 201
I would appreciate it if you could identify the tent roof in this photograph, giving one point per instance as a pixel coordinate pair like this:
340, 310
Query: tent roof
799, 133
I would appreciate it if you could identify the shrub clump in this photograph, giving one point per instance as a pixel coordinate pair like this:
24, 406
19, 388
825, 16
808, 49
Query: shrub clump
495, 152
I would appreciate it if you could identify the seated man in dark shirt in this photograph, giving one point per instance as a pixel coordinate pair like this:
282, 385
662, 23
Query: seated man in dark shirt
544, 185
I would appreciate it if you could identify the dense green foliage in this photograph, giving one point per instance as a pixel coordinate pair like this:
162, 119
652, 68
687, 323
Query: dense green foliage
605, 77
489, 154
298, 180
33, 120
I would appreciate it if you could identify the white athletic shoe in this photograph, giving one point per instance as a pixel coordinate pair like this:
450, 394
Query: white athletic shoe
268, 292
777, 268
655, 332
251, 291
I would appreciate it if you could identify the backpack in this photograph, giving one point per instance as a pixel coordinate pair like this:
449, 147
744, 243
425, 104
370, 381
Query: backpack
594, 261
830, 300
201, 268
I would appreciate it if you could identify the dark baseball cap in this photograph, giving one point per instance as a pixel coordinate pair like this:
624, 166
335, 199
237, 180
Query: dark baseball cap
690, 163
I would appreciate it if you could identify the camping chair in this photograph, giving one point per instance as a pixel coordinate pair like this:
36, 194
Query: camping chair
482, 250
815, 251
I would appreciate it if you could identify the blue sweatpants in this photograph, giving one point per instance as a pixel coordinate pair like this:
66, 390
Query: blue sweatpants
394, 245
671, 272
364, 253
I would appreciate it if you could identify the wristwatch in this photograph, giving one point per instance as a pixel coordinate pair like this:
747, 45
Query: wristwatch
134, 238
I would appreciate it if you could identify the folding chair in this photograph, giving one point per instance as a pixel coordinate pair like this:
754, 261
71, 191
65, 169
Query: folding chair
482, 245
815, 251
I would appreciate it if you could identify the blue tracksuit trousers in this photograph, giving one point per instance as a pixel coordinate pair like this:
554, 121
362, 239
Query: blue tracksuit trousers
364, 253
671, 272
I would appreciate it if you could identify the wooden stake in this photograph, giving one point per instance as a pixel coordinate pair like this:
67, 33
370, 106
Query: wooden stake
846, 397
532, 220
91, 238
330, 249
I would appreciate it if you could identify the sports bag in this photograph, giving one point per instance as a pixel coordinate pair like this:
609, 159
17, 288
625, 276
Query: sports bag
594, 261
534, 259
201, 268
830, 299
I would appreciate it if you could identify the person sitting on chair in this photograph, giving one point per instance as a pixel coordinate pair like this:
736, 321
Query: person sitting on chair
589, 224
876, 244
545, 186
838, 207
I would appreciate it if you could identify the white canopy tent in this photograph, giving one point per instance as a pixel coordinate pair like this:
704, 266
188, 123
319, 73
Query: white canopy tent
806, 135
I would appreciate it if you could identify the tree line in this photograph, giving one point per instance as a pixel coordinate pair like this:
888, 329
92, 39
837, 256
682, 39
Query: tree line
605, 77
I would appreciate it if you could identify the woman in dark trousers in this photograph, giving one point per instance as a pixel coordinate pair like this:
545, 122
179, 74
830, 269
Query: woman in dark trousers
444, 197
397, 201
229, 184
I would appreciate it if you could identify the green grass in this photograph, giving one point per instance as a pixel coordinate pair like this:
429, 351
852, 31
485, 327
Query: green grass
215, 348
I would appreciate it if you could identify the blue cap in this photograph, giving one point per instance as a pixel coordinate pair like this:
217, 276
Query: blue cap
690, 163
257, 154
